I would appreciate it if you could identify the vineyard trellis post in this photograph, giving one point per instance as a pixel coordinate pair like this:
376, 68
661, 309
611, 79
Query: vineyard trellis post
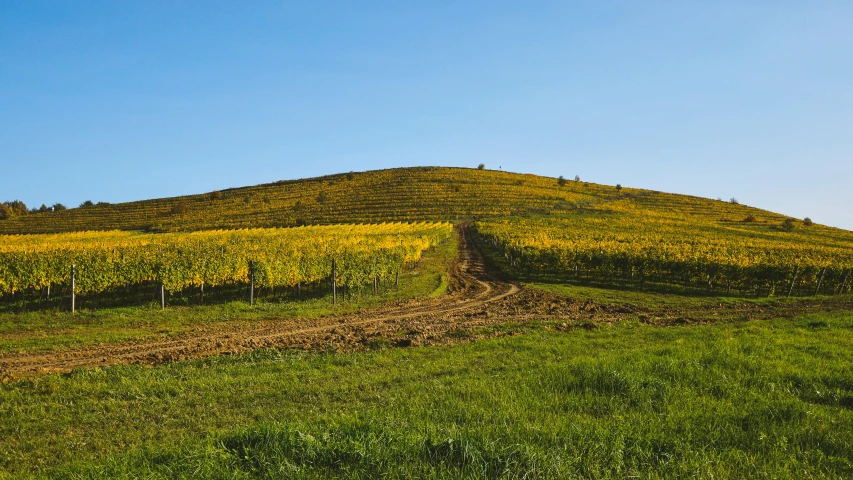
251, 282
73, 285
840, 290
334, 286
162, 296
793, 280
820, 281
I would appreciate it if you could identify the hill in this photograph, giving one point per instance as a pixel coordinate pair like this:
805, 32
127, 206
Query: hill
402, 194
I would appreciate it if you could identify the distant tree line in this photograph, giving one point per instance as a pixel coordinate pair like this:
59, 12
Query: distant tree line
17, 208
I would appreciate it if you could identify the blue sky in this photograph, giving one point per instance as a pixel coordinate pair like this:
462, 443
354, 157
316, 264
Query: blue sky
118, 101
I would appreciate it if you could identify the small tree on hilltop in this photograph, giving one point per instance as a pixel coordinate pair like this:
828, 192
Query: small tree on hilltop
481, 166
58, 207
561, 180
13, 209
87, 203
618, 187
788, 225
577, 178
733, 201
808, 222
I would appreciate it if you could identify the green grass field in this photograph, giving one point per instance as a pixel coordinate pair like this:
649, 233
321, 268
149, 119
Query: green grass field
770, 399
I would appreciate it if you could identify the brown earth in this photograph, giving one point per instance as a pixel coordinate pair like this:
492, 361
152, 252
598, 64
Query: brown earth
476, 302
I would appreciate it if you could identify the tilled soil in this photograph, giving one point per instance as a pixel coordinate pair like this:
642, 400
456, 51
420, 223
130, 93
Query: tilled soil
476, 302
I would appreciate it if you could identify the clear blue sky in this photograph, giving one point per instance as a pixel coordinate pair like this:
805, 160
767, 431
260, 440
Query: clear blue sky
117, 101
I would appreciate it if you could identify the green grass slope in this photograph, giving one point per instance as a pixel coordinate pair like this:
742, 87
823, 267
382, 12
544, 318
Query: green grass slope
768, 399
403, 194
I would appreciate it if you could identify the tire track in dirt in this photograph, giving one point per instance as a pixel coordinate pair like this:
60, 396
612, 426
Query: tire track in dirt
471, 287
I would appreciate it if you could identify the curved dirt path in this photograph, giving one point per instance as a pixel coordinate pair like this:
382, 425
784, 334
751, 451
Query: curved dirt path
416, 322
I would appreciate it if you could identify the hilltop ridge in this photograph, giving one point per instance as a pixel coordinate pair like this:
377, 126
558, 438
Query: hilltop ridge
399, 194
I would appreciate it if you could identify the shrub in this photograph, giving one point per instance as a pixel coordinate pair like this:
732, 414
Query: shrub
58, 207
481, 166
561, 180
13, 209
322, 197
618, 187
808, 222
87, 203
734, 201
749, 218
787, 225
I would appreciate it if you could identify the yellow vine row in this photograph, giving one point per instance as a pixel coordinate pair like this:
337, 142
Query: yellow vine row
281, 256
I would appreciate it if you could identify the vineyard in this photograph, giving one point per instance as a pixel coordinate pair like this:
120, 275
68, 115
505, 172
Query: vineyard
404, 194
567, 228
270, 257
642, 240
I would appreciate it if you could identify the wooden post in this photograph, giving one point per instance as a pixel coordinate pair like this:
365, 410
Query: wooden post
334, 287
796, 270
251, 283
820, 281
48, 292
298, 289
162, 296
201, 300
73, 286
840, 290
397, 278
